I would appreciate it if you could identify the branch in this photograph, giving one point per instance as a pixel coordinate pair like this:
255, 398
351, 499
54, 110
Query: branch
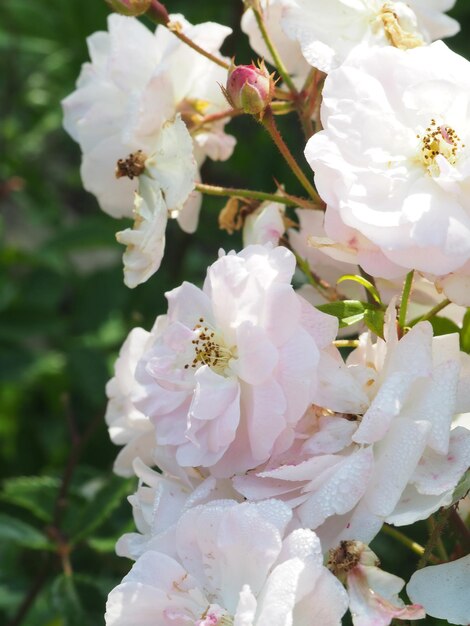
269, 123
250, 194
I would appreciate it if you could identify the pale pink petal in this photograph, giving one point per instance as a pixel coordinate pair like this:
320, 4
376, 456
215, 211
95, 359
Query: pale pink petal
337, 491
257, 356
396, 458
440, 473
373, 599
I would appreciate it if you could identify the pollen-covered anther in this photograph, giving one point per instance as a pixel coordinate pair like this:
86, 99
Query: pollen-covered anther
131, 166
345, 557
214, 615
208, 349
439, 139
192, 113
395, 31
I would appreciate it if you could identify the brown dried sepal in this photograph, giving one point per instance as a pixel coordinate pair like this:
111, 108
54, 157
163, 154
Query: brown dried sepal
233, 216
230, 218
132, 166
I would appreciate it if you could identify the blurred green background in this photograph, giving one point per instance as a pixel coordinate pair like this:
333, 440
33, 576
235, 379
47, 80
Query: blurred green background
64, 310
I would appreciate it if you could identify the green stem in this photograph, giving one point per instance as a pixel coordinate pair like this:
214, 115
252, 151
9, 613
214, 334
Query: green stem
436, 525
415, 547
249, 194
370, 279
281, 108
434, 311
310, 80
461, 530
324, 289
176, 29
281, 68
269, 123
346, 343
309, 94
436, 535
405, 298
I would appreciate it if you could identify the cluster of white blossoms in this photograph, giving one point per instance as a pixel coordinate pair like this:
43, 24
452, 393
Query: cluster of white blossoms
268, 459
139, 114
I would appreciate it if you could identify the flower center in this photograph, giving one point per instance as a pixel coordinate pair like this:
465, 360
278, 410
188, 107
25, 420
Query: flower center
193, 112
214, 615
344, 558
398, 32
439, 140
131, 166
209, 349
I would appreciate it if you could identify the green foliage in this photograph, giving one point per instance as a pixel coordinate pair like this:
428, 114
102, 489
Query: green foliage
372, 290
374, 320
462, 489
22, 534
348, 312
37, 494
67, 602
101, 506
465, 333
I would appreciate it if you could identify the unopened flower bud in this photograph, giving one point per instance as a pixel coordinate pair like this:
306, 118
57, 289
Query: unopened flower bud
131, 8
155, 10
249, 88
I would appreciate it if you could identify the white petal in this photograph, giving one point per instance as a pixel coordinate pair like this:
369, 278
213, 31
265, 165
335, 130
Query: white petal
172, 164
146, 240
443, 590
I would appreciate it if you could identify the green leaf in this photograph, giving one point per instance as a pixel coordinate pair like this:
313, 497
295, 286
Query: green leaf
465, 333
103, 545
348, 312
100, 508
67, 601
374, 320
37, 494
462, 488
443, 326
9, 598
23, 534
364, 282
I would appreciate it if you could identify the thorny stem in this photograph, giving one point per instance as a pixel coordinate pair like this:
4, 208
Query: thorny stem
249, 194
310, 93
405, 298
215, 117
438, 543
281, 68
324, 289
269, 123
279, 108
434, 311
460, 529
439, 523
177, 30
415, 547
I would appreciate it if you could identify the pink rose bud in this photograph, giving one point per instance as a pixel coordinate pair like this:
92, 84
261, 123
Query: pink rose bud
131, 8
249, 88
155, 10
